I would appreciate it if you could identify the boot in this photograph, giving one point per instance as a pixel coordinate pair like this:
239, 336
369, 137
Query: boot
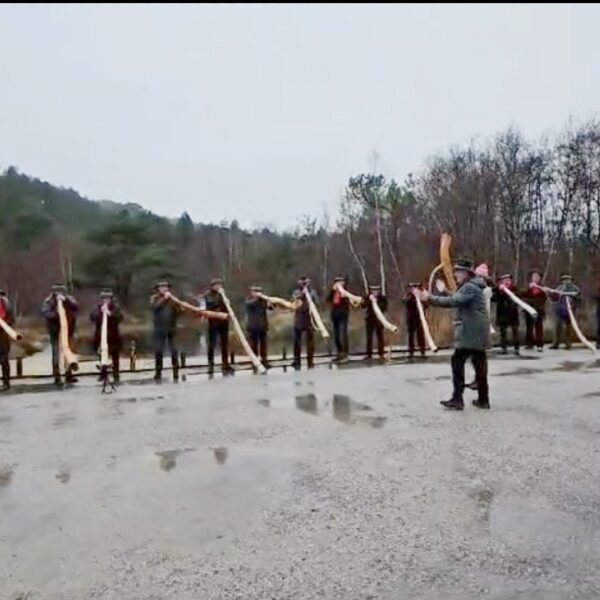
158, 365
481, 404
69, 377
453, 404
175, 365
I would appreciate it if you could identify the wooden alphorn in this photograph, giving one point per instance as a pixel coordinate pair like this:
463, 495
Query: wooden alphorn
355, 301
381, 317
70, 357
577, 330
15, 336
315, 316
526, 307
425, 325
201, 312
104, 354
280, 302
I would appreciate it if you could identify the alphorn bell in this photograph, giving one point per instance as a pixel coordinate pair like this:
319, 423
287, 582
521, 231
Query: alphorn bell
201, 312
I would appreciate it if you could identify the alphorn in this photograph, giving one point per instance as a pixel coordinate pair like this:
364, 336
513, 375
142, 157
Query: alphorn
104, 362
315, 316
381, 317
425, 325
280, 302
577, 330
355, 301
201, 312
12, 334
487, 294
555, 292
526, 307
240, 333
70, 357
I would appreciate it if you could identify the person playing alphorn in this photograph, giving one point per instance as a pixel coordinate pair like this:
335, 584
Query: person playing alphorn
340, 310
217, 329
107, 304
50, 311
165, 313
566, 289
507, 312
536, 297
303, 322
373, 326
257, 324
413, 321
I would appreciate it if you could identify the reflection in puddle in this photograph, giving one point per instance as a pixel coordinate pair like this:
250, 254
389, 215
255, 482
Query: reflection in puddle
5, 419
519, 371
167, 458
264, 402
221, 455
343, 407
568, 366
307, 403
6, 474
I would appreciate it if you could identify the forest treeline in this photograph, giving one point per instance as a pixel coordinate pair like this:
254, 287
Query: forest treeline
512, 202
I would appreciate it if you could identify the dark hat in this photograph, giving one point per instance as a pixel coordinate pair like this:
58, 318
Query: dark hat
256, 288
106, 293
536, 270
374, 287
216, 281
339, 278
162, 284
464, 265
2, 292
414, 285
59, 288
566, 276
505, 276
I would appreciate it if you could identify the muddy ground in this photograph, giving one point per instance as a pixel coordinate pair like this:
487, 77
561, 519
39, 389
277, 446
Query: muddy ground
349, 483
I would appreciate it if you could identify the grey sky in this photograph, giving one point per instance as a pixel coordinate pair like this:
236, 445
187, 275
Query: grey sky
262, 112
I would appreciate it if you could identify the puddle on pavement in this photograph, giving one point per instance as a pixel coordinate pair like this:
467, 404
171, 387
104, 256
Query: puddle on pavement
6, 475
63, 475
591, 395
167, 459
344, 409
519, 371
133, 399
568, 366
307, 403
63, 420
4, 419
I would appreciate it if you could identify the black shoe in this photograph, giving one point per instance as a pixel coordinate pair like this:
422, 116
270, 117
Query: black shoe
472, 385
528, 347
296, 366
517, 352
69, 378
540, 348
175, 376
227, 370
311, 366
452, 404
157, 376
368, 358
480, 404
58, 382
554, 347
266, 364
504, 351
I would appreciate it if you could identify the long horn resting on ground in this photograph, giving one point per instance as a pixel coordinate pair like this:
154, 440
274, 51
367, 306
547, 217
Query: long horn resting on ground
104, 339
240, 333
577, 330
315, 316
425, 325
526, 307
15, 336
201, 312
69, 356
381, 317
355, 301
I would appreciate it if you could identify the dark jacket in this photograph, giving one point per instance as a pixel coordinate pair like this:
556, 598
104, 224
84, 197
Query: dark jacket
471, 319
302, 318
412, 312
50, 313
215, 302
113, 334
369, 312
6, 314
256, 313
536, 298
560, 302
341, 307
507, 311
164, 314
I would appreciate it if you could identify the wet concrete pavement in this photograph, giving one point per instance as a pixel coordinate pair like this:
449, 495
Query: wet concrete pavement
349, 483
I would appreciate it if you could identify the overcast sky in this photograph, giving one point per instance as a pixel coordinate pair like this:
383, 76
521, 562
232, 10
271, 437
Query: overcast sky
259, 113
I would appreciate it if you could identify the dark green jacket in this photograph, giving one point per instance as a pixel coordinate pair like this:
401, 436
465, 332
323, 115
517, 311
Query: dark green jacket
471, 318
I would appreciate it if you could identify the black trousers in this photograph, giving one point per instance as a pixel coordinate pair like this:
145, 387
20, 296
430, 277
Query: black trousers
514, 327
310, 345
258, 343
4, 358
340, 331
561, 325
415, 329
222, 334
534, 330
375, 327
161, 339
479, 359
